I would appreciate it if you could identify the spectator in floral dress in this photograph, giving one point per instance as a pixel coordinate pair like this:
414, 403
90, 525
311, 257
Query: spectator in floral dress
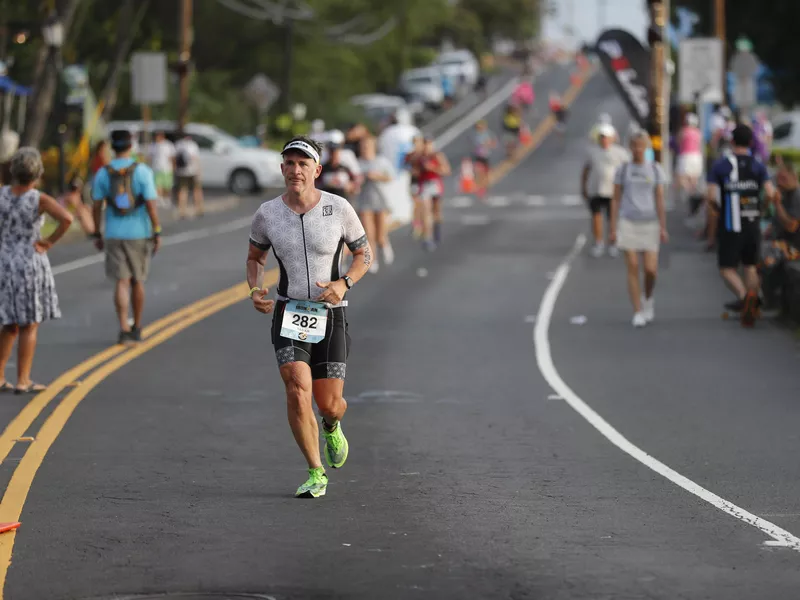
27, 288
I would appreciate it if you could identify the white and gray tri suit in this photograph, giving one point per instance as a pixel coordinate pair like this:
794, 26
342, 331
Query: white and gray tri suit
308, 249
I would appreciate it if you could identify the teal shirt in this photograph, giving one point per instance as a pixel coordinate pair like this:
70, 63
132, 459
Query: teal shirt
136, 225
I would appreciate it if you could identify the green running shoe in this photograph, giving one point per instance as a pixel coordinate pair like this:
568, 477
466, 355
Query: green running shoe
336, 446
316, 485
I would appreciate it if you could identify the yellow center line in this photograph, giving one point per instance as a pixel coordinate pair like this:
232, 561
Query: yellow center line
25, 418
103, 364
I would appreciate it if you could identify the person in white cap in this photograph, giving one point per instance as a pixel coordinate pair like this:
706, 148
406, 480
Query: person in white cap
597, 183
603, 119
306, 229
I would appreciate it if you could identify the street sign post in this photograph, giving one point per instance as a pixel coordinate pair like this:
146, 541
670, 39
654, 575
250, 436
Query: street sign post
149, 78
148, 83
700, 64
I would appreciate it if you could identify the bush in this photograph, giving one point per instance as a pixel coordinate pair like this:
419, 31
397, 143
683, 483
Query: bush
788, 154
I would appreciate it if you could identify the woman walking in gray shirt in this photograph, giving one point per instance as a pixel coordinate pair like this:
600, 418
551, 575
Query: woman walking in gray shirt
639, 224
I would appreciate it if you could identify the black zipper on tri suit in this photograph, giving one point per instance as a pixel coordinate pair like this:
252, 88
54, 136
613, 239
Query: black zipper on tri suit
305, 250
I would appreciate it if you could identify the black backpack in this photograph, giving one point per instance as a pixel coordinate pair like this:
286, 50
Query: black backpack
120, 185
182, 159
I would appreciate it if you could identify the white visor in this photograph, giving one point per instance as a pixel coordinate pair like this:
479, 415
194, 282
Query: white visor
303, 147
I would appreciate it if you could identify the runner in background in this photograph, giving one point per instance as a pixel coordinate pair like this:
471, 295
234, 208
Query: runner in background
559, 112
434, 166
413, 162
523, 95
597, 185
371, 203
512, 126
483, 144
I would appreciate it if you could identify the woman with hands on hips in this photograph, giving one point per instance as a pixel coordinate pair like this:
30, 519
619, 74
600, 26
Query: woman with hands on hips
27, 288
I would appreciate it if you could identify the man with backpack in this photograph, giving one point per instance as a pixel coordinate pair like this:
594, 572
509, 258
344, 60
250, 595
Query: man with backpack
187, 168
132, 231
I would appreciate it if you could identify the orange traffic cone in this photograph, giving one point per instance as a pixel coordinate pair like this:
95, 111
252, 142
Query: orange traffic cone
467, 176
525, 136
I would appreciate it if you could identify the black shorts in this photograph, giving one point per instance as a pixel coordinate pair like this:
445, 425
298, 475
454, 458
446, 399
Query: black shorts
327, 358
560, 115
600, 203
736, 248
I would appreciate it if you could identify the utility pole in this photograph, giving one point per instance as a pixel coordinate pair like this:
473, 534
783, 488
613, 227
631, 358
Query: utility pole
658, 106
184, 61
288, 65
720, 34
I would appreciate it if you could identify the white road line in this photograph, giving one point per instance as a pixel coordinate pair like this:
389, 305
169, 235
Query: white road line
167, 240
461, 201
545, 362
498, 201
475, 220
535, 200
477, 113
572, 200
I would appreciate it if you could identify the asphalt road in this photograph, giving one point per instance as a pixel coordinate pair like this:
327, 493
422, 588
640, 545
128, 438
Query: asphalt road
469, 476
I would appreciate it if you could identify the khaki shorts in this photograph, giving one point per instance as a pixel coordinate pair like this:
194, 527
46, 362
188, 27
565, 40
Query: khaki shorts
187, 181
128, 259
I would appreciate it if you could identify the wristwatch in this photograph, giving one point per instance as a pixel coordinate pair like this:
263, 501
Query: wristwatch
347, 281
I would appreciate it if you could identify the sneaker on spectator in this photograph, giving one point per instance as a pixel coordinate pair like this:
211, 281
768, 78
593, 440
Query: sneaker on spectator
613, 251
388, 253
639, 320
648, 309
598, 249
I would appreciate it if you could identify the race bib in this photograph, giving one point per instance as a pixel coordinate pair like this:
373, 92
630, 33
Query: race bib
304, 321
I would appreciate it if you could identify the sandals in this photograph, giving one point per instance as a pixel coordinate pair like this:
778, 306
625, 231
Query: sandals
6, 388
33, 388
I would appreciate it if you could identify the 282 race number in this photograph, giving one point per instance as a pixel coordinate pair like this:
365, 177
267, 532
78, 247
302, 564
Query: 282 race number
304, 321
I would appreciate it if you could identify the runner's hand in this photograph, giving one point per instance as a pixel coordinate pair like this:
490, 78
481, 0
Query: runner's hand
261, 303
664, 235
99, 244
156, 244
612, 237
334, 291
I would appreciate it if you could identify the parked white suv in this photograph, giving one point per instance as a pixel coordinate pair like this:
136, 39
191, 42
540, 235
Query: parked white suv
459, 64
224, 162
425, 84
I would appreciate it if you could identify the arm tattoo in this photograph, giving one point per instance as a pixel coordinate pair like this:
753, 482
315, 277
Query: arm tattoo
367, 257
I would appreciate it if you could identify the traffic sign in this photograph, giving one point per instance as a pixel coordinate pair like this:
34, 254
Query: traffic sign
700, 64
149, 78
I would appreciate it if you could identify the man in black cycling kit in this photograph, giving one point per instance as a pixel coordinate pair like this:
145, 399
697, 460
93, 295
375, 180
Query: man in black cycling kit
306, 229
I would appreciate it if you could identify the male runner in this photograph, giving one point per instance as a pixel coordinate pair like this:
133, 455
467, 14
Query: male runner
739, 180
306, 229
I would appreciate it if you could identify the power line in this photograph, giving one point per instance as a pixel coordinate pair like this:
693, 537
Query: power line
370, 38
342, 32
